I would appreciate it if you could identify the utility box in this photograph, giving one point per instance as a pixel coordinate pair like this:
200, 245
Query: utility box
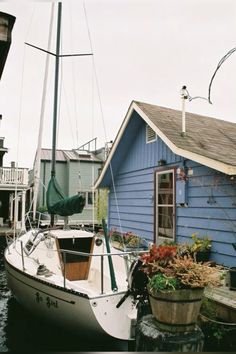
181, 192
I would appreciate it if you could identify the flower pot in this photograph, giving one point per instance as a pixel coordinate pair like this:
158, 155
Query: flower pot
203, 256
176, 310
232, 278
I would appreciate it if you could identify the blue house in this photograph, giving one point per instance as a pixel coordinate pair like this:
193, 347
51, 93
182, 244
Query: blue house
166, 185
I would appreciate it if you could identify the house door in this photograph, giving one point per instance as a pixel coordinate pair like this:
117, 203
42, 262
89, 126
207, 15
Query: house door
164, 206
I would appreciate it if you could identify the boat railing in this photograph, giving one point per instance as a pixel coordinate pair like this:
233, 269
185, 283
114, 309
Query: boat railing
38, 220
11, 235
125, 254
129, 257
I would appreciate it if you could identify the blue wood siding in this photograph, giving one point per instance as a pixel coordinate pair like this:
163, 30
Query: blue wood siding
131, 204
211, 195
211, 211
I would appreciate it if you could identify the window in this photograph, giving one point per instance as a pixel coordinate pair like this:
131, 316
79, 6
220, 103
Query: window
165, 205
89, 198
150, 134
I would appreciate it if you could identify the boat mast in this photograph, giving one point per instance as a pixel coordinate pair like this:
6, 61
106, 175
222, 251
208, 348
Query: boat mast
55, 104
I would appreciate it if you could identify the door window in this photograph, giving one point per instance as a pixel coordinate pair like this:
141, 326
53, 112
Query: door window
165, 205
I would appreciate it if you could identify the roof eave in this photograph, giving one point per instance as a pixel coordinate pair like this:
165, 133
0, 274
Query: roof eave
217, 165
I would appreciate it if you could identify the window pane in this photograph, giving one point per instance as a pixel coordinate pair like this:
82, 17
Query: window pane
90, 198
165, 188
165, 208
165, 221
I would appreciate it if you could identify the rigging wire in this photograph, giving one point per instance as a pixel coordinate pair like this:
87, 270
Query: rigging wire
222, 60
74, 81
93, 78
75, 132
19, 129
102, 115
42, 112
95, 73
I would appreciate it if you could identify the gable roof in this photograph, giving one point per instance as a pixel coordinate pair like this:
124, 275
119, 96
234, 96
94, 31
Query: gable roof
208, 141
69, 155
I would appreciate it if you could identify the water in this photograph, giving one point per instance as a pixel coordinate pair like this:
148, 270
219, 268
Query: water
21, 332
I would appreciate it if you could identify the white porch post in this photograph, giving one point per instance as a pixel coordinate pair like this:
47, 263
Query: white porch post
23, 210
11, 208
16, 210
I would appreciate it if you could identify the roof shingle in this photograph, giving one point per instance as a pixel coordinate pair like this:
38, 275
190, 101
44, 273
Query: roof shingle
209, 137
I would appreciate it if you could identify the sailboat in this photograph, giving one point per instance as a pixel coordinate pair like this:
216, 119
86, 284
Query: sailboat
71, 277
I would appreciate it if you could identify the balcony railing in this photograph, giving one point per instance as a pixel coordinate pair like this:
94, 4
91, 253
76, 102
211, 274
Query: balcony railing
12, 176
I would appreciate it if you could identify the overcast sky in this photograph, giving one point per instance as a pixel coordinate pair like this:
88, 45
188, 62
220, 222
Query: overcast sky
143, 50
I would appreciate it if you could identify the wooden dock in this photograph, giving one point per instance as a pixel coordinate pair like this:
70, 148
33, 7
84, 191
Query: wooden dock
225, 301
5, 230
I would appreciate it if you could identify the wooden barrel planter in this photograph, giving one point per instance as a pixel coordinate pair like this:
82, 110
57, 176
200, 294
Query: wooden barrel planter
178, 310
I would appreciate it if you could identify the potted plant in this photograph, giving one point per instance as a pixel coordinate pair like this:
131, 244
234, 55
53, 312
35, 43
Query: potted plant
127, 240
201, 247
176, 285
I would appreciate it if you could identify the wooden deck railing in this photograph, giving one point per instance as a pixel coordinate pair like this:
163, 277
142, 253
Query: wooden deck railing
10, 176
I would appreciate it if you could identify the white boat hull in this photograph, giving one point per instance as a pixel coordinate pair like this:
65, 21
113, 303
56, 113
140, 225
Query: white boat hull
77, 311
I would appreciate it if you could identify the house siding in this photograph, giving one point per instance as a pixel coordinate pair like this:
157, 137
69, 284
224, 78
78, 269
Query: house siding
87, 172
211, 195
131, 203
211, 211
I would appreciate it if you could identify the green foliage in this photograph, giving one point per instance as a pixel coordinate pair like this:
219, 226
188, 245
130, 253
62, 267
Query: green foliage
208, 308
218, 336
102, 204
161, 282
200, 243
42, 209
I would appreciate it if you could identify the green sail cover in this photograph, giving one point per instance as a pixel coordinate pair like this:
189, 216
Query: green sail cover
58, 204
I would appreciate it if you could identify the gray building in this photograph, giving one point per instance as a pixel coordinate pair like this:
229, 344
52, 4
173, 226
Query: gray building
76, 171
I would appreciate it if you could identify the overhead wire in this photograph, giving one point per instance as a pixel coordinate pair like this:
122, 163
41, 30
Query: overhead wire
222, 60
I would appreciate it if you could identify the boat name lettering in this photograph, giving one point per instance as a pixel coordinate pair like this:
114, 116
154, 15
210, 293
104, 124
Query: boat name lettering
38, 297
51, 302
48, 301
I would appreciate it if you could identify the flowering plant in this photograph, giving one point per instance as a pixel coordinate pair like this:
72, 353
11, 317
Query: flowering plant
200, 243
167, 268
127, 240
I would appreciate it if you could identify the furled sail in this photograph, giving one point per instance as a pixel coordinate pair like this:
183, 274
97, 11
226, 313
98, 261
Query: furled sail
58, 204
